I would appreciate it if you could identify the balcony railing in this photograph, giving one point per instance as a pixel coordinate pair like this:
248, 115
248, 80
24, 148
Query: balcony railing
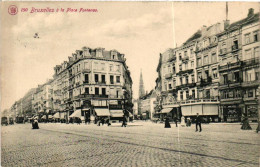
169, 75
184, 71
227, 66
207, 100
172, 59
250, 62
251, 83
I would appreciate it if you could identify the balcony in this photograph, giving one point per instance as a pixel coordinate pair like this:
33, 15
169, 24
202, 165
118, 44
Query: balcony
251, 62
255, 83
185, 58
230, 66
205, 100
172, 59
86, 70
86, 82
205, 82
234, 48
168, 76
100, 82
185, 71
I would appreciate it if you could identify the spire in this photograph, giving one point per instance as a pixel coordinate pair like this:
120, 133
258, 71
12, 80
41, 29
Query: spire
141, 86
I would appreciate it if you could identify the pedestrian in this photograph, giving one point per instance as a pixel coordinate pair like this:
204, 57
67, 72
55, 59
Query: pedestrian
35, 124
124, 122
176, 121
167, 123
198, 122
107, 122
245, 123
182, 121
188, 122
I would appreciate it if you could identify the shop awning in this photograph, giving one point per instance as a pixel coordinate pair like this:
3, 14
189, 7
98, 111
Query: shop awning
44, 117
85, 109
186, 110
210, 109
56, 115
102, 111
196, 109
62, 115
76, 113
50, 116
116, 113
166, 110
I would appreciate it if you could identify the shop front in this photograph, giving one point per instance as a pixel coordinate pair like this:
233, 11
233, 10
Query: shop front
232, 113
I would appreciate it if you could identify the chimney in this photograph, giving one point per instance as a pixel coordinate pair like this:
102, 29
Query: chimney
226, 23
203, 30
250, 12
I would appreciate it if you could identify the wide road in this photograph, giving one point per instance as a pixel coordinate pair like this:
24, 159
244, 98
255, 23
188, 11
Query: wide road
139, 144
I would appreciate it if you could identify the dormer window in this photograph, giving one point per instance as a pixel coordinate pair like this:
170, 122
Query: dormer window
114, 54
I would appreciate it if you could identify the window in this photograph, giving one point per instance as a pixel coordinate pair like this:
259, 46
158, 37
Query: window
207, 73
251, 93
96, 91
247, 38
250, 75
192, 79
102, 66
117, 93
118, 68
193, 94
199, 61
95, 66
257, 75
187, 94
169, 69
213, 58
180, 80
225, 77
86, 78
231, 94
185, 54
208, 93
87, 91
110, 67
199, 76
86, 65
192, 64
255, 36
117, 79
181, 95
173, 69
236, 74
186, 66
187, 79
256, 52
215, 73
103, 78
206, 60
103, 91
111, 79
248, 53
191, 51
180, 56
96, 77
170, 86
180, 67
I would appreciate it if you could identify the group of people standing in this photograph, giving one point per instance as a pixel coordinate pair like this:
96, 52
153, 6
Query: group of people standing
198, 121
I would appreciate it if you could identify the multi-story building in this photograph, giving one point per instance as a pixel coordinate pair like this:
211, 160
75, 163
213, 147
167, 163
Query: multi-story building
95, 82
239, 67
43, 100
250, 64
148, 104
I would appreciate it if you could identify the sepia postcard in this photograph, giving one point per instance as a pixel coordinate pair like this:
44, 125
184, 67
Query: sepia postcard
138, 84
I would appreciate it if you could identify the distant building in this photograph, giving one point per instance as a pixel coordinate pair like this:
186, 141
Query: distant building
147, 105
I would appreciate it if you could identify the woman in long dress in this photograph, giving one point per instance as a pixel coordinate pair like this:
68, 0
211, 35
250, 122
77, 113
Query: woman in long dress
183, 121
167, 123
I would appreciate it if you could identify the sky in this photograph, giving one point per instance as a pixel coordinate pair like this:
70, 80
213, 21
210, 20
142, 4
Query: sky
140, 30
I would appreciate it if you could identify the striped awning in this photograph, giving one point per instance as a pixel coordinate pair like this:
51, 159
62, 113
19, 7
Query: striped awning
166, 110
56, 115
116, 113
102, 111
76, 113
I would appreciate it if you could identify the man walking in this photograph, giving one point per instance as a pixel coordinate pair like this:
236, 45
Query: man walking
198, 122
176, 121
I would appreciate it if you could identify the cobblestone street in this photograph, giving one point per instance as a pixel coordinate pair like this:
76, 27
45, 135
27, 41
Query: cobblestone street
139, 144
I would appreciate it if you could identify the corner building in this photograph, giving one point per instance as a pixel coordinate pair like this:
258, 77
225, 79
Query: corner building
94, 83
